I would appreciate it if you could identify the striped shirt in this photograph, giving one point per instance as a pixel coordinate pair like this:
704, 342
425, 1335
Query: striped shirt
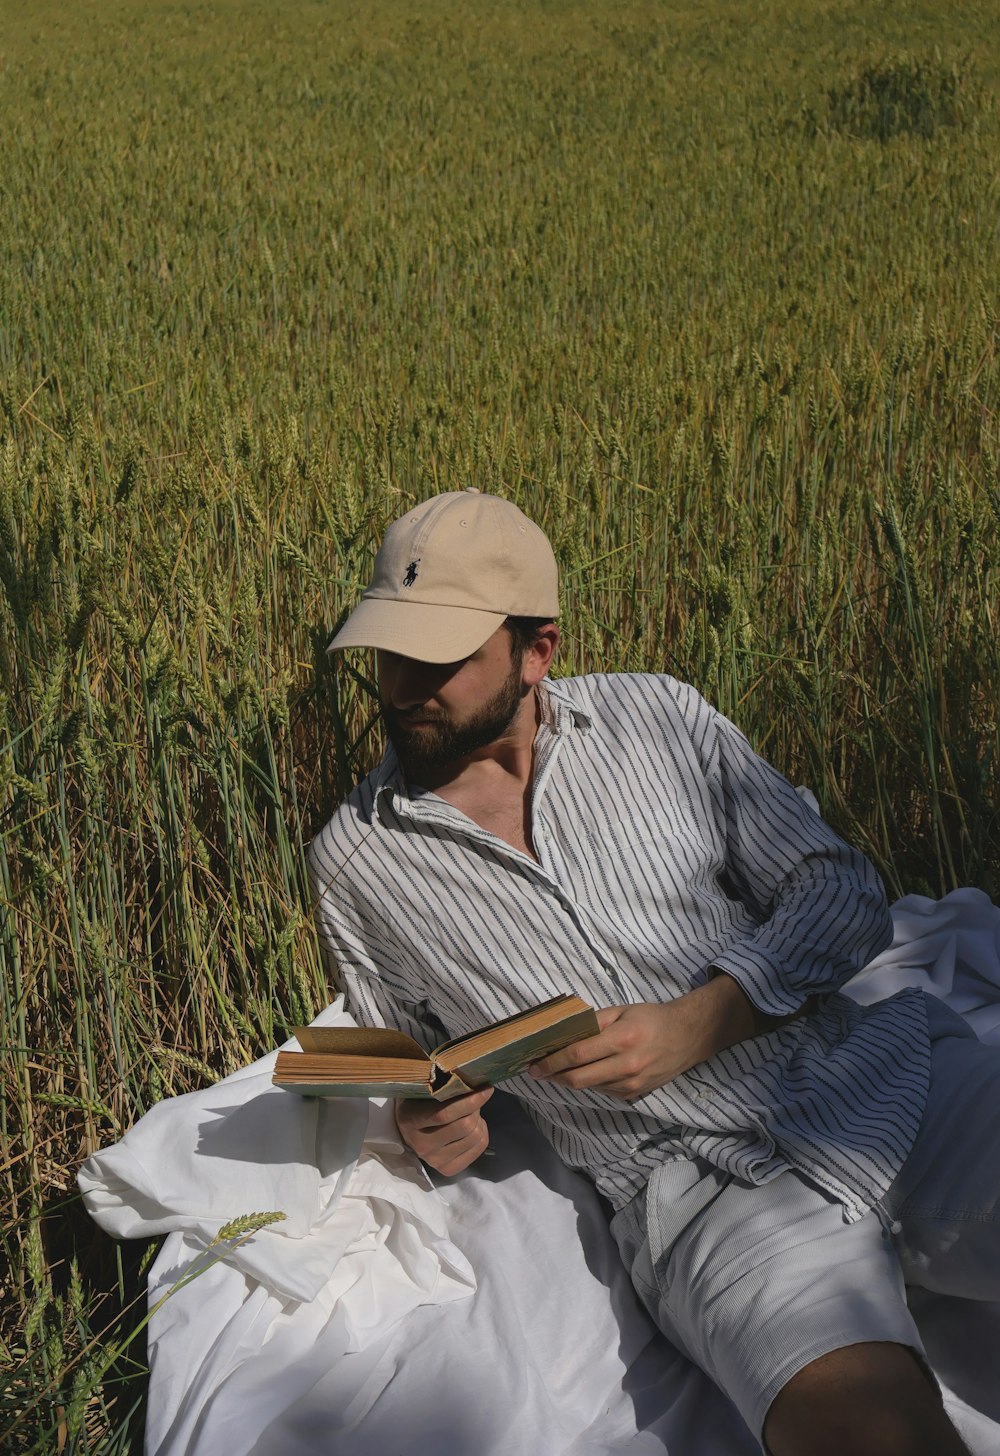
665, 847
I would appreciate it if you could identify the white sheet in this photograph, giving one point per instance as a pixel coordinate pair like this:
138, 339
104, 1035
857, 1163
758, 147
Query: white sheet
354, 1327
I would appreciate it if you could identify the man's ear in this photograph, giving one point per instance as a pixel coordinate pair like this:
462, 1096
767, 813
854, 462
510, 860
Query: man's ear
538, 658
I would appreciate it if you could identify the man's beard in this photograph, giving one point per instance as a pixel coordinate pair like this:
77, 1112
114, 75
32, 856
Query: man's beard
438, 744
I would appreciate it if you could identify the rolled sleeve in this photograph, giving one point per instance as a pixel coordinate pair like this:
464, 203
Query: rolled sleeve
822, 908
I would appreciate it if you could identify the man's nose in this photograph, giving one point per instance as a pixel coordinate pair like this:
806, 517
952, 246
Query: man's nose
405, 682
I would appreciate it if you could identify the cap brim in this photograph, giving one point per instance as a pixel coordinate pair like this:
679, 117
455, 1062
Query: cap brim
417, 630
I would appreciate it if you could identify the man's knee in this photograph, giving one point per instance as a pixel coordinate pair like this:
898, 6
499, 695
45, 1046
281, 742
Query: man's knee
862, 1400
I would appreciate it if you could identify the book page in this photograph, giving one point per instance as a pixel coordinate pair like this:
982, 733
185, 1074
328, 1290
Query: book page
502, 1033
358, 1089
499, 1063
375, 1041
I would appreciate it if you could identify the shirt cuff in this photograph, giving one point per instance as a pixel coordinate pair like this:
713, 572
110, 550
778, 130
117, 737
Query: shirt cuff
760, 976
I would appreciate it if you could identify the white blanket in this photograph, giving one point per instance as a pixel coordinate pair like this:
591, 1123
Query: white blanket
356, 1324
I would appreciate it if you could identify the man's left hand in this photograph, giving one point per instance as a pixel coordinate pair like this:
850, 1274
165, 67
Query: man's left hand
643, 1046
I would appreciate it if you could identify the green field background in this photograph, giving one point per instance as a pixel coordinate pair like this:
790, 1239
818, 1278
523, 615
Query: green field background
710, 289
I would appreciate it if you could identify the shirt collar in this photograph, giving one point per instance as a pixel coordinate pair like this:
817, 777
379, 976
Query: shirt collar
560, 715
559, 712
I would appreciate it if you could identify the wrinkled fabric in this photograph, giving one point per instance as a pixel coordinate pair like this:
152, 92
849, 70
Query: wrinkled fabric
354, 1327
357, 1208
949, 948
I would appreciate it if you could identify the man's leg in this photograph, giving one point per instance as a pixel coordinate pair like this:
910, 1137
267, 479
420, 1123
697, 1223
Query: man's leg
944, 1209
799, 1317
735, 1276
861, 1400
944, 1214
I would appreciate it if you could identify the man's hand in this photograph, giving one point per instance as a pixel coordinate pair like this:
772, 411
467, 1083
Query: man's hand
644, 1046
447, 1136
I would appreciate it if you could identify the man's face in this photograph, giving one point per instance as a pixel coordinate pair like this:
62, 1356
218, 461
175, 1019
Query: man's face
438, 713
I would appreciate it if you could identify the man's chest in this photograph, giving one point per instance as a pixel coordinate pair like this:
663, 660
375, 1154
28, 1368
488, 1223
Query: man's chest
611, 911
504, 816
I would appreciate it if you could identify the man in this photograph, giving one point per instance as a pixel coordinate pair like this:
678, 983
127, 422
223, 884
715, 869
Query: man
763, 1140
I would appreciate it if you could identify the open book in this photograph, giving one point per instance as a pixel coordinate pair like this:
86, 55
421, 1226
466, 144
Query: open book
357, 1061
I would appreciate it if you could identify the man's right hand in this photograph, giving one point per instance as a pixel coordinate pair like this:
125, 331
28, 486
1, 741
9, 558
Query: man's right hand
447, 1136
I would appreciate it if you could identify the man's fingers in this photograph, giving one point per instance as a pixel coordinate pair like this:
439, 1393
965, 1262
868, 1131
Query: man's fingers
450, 1149
603, 1074
454, 1132
560, 1064
458, 1155
416, 1113
448, 1136
582, 1053
616, 1077
608, 1015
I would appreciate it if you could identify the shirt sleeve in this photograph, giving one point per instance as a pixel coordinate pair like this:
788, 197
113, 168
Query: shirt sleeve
357, 956
822, 908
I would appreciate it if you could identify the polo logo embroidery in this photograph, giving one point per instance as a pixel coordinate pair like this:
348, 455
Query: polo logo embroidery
411, 573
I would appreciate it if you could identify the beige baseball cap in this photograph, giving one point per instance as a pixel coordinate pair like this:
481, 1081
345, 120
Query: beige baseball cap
447, 575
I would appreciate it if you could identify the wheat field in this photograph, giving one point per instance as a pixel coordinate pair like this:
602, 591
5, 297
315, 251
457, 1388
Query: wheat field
710, 290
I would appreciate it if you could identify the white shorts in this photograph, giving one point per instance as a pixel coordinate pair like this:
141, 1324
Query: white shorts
753, 1283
